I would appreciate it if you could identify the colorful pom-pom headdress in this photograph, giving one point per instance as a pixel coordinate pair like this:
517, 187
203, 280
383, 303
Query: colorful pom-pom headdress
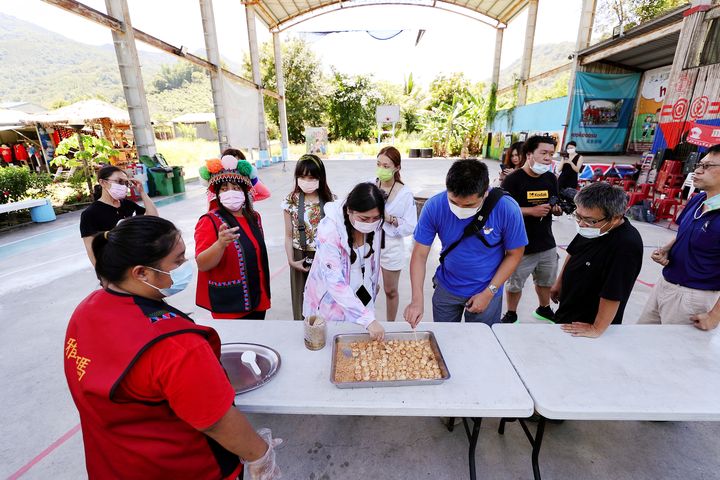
227, 169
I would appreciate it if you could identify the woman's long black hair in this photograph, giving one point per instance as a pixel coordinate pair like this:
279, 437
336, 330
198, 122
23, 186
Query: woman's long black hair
140, 240
311, 165
104, 173
364, 197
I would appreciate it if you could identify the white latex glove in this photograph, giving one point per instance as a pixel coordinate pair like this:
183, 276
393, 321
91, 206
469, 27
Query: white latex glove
264, 468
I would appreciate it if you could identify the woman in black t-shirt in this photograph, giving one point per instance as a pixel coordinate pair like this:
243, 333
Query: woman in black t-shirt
111, 206
570, 166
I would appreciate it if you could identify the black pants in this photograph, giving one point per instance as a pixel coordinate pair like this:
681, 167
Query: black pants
255, 316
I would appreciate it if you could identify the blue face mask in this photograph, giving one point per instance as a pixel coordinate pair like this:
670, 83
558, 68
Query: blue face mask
180, 277
712, 203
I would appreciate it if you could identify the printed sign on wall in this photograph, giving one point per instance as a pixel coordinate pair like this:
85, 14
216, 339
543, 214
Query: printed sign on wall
601, 111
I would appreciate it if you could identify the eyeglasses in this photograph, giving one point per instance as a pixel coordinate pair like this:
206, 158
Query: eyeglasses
705, 165
587, 221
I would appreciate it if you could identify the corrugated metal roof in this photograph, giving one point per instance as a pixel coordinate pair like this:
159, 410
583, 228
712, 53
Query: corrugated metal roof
280, 14
656, 53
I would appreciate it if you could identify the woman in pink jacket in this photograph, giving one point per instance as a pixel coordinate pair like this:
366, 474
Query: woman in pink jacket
343, 280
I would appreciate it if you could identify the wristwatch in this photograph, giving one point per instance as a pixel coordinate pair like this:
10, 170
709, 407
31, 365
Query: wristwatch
493, 289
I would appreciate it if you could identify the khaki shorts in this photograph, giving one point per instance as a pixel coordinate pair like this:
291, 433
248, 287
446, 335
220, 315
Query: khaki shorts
542, 265
674, 304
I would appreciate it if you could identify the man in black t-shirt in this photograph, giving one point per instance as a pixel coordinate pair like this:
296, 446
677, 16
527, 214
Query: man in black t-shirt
603, 262
532, 187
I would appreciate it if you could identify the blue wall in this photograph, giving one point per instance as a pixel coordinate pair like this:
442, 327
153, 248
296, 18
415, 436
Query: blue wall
547, 116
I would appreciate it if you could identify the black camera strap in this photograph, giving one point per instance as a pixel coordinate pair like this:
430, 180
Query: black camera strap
476, 226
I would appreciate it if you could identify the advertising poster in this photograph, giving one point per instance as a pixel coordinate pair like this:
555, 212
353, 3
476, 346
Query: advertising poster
601, 111
654, 85
316, 141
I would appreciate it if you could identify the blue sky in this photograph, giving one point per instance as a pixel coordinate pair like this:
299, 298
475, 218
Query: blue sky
451, 42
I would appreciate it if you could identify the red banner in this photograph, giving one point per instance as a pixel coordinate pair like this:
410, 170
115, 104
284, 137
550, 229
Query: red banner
703, 135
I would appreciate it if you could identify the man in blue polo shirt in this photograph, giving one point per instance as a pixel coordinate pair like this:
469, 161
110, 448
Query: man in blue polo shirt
688, 292
471, 276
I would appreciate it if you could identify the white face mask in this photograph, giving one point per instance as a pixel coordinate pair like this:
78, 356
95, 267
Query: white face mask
539, 168
308, 186
571, 150
117, 191
363, 227
233, 200
590, 232
462, 213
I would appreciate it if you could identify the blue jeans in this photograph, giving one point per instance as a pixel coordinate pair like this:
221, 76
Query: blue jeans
449, 308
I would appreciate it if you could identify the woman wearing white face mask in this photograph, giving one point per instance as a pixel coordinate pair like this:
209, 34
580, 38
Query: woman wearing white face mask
111, 205
343, 280
233, 277
303, 209
570, 166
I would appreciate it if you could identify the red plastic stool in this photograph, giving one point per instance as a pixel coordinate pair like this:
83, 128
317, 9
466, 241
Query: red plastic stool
639, 196
665, 208
628, 184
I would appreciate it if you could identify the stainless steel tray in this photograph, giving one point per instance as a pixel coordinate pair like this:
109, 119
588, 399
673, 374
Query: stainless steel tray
364, 337
242, 378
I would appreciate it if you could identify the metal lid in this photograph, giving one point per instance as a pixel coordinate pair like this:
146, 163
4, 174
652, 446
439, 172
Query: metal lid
242, 378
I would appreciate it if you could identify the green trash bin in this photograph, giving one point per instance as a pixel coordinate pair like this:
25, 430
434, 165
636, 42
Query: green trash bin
178, 179
160, 182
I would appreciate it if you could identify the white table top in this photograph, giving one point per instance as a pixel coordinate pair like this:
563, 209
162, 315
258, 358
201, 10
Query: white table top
482, 384
632, 372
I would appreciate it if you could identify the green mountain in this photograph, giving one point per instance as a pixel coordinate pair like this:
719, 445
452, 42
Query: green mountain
40, 66
545, 57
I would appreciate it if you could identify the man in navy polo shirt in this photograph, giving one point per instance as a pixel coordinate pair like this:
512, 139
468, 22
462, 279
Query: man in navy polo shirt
689, 290
471, 277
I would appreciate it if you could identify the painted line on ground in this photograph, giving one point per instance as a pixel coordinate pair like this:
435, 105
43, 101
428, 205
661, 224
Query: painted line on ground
53, 446
36, 235
36, 265
278, 271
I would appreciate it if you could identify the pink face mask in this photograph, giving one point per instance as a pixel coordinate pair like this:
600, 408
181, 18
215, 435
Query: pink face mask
117, 191
233, 200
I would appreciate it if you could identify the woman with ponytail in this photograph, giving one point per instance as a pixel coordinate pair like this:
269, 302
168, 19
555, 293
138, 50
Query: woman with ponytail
111, 206
153, 398
343, 280
234, 276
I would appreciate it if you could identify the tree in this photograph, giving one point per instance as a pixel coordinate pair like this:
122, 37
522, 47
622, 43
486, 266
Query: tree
178, 75
455, 118
351, 107
444, 89
629, 13
304, 91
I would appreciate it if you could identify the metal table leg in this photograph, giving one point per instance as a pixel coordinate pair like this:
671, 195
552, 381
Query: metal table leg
536, 442
473, 439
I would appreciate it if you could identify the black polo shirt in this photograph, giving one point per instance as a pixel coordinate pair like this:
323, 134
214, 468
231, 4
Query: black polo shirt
101, 217
604, 267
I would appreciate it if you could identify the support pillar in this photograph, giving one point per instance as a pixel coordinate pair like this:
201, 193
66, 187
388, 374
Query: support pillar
257, 79
527, 51
282, 112
131, 76
498, 55
587, 20
216, 77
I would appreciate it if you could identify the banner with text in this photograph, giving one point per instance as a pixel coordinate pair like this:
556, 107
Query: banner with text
601, 111
647, 114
